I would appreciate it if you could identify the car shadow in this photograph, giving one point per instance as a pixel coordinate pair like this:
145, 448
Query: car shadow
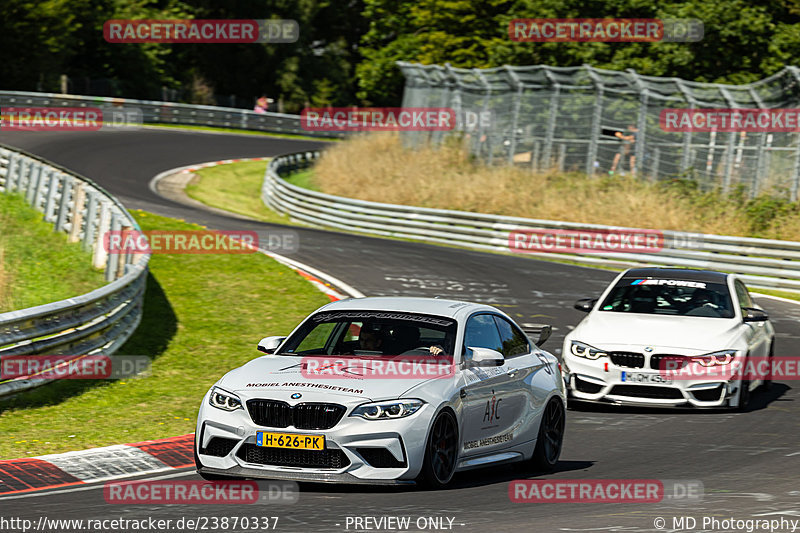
759, 399
157, 327
479, 477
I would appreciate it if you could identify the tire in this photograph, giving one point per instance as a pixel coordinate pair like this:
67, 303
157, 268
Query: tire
767, 384
551, 437
441, 451
744, 389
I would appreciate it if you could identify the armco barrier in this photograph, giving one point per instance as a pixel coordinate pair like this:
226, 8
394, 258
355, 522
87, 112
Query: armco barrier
762, 263
153, 112
98, 322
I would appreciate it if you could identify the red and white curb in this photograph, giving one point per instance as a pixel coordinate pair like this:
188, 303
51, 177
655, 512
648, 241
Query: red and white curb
97, 464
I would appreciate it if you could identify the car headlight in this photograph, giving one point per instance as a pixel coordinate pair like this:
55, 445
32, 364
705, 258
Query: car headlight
723, 357
580, 349
224, 400
387, 410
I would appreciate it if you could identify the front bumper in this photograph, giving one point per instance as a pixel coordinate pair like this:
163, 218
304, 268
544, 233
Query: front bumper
356, 450
601, 381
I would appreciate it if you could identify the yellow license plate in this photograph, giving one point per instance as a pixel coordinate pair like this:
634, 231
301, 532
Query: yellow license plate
290, 440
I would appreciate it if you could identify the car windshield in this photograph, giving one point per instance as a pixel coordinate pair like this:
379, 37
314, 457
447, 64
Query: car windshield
371, 333
669, 297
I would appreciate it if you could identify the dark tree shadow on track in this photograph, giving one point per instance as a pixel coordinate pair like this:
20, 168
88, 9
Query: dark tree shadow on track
759, 399
159, 324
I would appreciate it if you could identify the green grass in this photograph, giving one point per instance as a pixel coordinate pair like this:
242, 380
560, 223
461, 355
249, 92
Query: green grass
203, 315
304, 179
38, 265
235, 187
782, 294
212, 129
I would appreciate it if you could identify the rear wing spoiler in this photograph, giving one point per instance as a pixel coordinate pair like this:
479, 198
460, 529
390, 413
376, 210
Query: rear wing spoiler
538, 333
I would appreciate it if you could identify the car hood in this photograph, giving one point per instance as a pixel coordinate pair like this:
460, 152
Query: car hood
284, 373
605, 328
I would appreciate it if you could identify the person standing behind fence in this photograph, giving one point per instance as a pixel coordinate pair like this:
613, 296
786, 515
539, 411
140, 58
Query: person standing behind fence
262, 104
625, 149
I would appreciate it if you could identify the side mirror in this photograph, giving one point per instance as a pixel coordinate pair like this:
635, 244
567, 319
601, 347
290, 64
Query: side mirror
540, 332
270, 344
585, 304
751, 314
486, 357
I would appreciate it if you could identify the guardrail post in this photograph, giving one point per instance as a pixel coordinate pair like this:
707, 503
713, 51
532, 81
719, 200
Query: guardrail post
53, 184
63, 205
124, 255
24, 175
91, 215
100, 256
13, 168
113, 256
77, 213
33, 183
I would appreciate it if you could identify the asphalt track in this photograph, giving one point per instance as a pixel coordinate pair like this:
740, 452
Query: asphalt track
748, 462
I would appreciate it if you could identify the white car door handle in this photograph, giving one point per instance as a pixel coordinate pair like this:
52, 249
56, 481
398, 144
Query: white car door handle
511, 373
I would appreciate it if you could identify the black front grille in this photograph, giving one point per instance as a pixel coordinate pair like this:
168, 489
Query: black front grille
587, 387
380, 458
708, 395
627, 359
277, 414
643, 391
668, 362
263, 455
219, 447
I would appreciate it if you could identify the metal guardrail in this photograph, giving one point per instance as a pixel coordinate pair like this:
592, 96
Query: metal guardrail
763, 263
154, 112
98, 322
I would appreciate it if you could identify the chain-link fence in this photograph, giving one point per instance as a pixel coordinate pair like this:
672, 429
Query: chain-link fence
567, 117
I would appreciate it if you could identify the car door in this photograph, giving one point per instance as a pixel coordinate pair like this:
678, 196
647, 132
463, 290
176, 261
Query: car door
491, 397
756, 333
526, 375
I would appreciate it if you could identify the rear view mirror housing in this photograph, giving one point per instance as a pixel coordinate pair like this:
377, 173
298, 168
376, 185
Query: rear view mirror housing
268, 345
585, 304
752, 314
485, 357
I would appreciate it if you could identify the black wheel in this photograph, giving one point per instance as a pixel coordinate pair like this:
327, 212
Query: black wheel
551, 436
767, 384
744, 389
441, 451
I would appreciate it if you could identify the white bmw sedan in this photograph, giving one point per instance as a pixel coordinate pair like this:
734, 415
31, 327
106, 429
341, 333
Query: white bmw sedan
386, 390
672, 338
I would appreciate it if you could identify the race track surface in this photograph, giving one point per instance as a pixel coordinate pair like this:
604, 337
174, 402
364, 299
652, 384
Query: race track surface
748, 462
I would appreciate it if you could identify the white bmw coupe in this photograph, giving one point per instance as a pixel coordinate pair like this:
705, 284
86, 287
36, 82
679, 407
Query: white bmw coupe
386, 390
672, 338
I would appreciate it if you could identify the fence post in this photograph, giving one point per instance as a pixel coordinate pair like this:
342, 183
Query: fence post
597, 118
515, 119
535, 156
654, 166
562, 155
796, 170
551, 125
729, 158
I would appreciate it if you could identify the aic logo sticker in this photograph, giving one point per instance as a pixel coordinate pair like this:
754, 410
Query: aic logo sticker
492, 409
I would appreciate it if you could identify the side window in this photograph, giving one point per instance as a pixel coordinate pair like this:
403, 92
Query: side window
514, 341
742, 295
481, 332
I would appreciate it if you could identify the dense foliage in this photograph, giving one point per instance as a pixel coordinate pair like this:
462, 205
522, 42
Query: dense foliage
347, 48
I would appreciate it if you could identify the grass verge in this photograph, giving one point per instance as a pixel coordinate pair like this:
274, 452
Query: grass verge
38, 265
191, 344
